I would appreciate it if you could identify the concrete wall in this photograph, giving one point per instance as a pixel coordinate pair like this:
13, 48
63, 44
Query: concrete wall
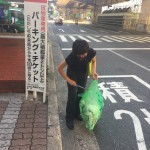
144, 19
145, 10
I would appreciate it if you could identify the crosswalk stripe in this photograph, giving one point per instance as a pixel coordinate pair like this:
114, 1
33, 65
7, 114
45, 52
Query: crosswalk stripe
81, 37
94, 39
132, 39
63, 38
136, 39
122, 38
104, 39
113, 39
144, 39
72, 37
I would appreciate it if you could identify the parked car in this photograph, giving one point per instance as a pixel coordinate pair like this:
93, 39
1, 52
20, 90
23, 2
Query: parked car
58, 21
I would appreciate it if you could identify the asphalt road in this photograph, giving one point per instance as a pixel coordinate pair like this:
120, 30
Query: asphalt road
123, 65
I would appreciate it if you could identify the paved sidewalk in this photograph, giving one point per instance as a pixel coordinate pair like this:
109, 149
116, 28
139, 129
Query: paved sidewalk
22, 123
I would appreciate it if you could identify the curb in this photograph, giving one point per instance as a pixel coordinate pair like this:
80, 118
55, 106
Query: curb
12, 35
53, 126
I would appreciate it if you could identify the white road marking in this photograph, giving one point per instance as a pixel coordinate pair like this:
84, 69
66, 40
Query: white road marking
142, 39
136, 39
63, 38
132, 39
147, 114
81, 37
94, 39
61, 30
130, 61
127, 76
82, 31
104, 39
97, 38
114, 49
137, 127
103, 31
113, 39
72, 37
122, 38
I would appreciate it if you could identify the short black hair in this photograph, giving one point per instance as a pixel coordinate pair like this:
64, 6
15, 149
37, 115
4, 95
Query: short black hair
80, 47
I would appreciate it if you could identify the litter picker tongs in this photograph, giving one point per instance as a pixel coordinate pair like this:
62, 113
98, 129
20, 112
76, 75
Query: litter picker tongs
81, 87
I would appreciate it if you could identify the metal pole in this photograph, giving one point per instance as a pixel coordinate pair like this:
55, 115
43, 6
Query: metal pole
34, 95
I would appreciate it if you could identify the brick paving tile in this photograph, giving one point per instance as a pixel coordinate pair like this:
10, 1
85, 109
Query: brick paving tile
27, 112
39, 130
38, 147
22, 116
3, 106
28, 125
40, 112
27, 135
43, 124
20, 142
30, 116
1, 116
39, 120
39, 135
30, 132
39, 142
20, 125
23, 130
2, 109
25, 120
20, 147
17, 136
40, 116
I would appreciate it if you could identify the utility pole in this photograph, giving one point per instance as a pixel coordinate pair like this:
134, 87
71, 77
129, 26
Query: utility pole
94, 11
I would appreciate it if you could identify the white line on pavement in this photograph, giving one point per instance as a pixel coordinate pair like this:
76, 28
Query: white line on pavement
114, 49
94, 39
130, 61
82, 31
61, 30
127, 76
72, 37
63, 38
81, 37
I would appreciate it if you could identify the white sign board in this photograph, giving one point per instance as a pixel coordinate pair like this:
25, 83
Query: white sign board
35, 44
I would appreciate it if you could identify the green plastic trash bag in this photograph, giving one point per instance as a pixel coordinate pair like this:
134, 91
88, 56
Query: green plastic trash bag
91, 105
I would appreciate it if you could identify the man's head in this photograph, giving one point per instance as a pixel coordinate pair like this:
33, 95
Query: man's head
80, 47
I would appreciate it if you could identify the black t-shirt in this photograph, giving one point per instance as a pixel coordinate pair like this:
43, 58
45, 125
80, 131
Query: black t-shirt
79, 67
